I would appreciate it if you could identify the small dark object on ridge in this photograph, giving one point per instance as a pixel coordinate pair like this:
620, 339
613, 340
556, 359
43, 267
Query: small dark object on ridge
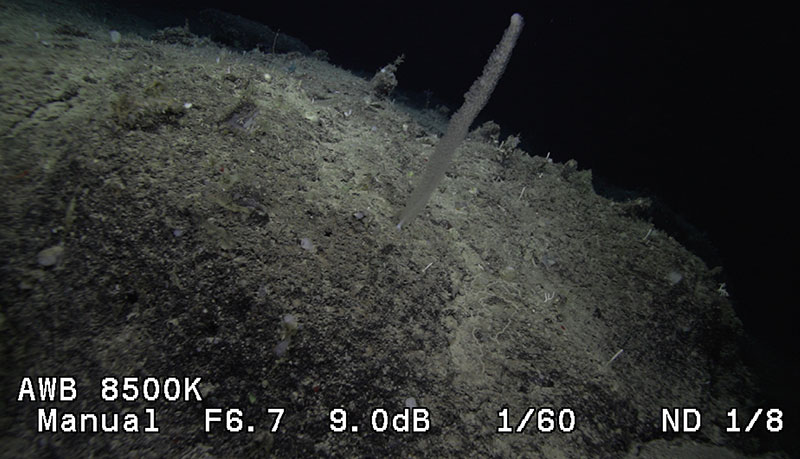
244, 34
